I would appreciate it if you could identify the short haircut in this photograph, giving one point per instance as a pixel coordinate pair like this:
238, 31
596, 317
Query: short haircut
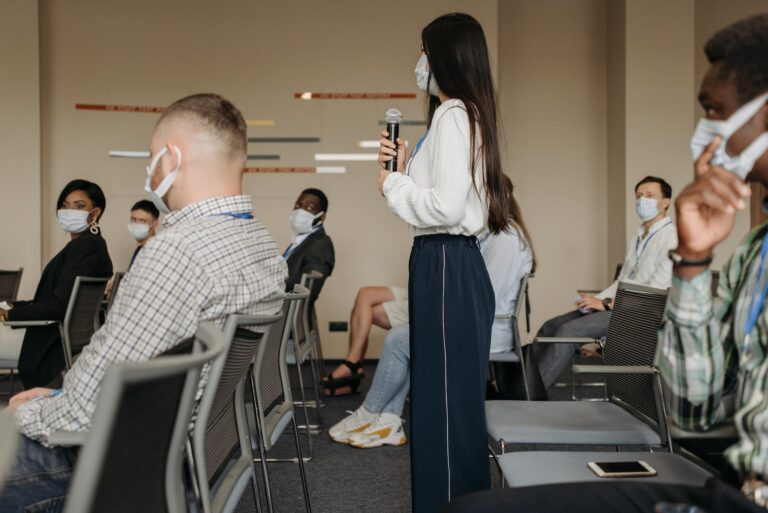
666, 189
742, 47
90, 189
148, 207
320, 195
217, 114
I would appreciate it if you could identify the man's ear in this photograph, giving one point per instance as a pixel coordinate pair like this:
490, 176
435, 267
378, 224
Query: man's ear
667, 203
173, 155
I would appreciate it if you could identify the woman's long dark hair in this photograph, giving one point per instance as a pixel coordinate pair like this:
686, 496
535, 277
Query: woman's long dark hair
515, 219
458, 58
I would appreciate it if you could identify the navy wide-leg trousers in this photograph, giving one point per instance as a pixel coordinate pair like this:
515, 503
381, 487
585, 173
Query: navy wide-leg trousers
451, 310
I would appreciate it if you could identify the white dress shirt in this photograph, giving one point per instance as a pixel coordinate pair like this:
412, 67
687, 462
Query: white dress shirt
436, 194
647, 262
508, 258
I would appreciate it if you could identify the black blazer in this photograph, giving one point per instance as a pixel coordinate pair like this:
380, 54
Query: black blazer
42, 356
314, 254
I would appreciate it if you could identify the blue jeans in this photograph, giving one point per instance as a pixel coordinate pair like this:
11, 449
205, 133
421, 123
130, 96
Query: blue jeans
554, 358
392, 380
39, 478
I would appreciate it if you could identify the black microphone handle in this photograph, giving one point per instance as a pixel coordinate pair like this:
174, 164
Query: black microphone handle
394, 133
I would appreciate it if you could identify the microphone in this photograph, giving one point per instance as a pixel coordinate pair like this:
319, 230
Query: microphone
393, 118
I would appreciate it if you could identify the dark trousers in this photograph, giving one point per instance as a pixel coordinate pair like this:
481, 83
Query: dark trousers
611, 496
451, 309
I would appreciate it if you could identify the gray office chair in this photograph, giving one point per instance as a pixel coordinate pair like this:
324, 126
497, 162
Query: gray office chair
303, 344
220, 444
9, 284
81, 321
131, 458
9, 442
515, 356
634, 415
273, 399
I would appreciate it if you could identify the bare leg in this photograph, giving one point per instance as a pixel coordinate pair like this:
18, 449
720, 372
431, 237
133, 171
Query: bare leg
366, 312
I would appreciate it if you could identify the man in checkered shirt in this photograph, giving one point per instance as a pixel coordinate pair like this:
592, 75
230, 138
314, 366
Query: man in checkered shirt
211, 260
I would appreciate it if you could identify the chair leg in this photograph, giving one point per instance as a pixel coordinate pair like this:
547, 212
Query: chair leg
307, 426
262, 451
316, 386
302, 470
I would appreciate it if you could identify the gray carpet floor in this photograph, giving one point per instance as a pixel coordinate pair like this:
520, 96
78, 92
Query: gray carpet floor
343, 479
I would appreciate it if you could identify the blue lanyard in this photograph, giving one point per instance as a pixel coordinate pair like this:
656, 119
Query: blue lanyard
758, 298
236, 215
416, 150
637, 243
290, 249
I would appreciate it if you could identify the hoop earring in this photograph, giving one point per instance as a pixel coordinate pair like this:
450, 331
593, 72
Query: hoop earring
94, 228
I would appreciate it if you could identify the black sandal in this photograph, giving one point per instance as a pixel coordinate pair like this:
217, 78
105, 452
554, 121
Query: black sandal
352, 381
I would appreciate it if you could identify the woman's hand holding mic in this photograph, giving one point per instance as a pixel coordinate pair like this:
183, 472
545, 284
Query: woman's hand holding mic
387, 153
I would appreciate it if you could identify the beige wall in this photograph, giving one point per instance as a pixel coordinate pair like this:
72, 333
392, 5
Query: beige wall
658, 110
594, 94
552, 75
20, 141
257, 54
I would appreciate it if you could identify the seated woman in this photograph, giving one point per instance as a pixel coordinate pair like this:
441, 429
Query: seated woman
508, 257
80, 206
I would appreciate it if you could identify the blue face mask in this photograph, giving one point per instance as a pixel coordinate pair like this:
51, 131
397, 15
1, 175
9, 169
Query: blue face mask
646, 208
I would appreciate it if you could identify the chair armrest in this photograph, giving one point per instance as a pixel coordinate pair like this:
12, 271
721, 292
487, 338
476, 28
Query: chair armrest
68, 438
614, 369
588, 291
563, 340
506, 316
28, 324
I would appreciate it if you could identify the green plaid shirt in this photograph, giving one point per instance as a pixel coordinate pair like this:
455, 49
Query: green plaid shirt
698, 355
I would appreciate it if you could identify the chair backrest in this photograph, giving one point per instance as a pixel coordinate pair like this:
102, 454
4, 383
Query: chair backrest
221, 432
270, 371
631, 340
521, 309
310, 281
9, 284
116, 279
82, 317
132, 459
300, 323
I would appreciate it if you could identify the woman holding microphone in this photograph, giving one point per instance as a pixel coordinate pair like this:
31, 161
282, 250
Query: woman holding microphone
450, 192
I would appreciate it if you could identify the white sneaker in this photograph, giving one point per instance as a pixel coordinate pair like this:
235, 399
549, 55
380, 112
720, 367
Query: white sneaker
357, 422
385, 430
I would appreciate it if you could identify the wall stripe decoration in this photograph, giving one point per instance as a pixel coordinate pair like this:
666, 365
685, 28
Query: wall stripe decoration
354, 96
290, 170
263, 157
119, 108
283, 139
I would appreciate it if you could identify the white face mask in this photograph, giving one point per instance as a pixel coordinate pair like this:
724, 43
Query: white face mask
73, 221
302, 221
138, 231
425, 79
708, 129
646, 208
157, 195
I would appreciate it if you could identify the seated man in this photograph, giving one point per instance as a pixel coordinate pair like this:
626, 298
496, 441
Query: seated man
143, 225
211, 260
646, 264
508, 257
311, 248
708, 349
385, 307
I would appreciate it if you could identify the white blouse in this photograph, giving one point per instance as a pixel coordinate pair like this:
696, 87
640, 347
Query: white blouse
436, 194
